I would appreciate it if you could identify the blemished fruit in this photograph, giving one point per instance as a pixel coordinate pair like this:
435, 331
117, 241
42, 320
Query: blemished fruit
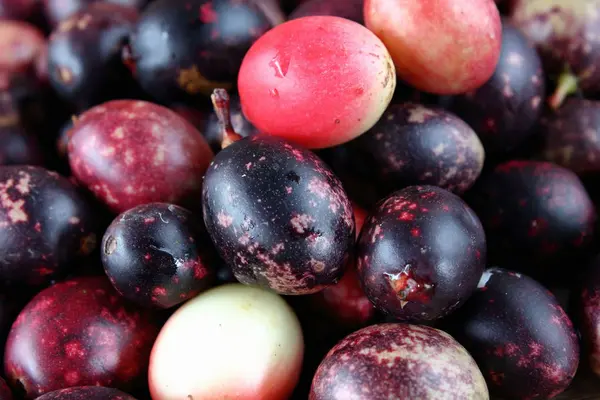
505, 109
439, 46
317, 81
199, 353
86, 393
59, 10
77, 333
158, 255
5, 393
538, 218
183, 49
349, 9
521, 338
589, 315
277, 214
133, 152
398, 361
421, 253
46, 225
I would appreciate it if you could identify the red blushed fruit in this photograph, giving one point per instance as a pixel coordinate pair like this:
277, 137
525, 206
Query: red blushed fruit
318, 81
86, 393
20, 44
439, 46
5, 393
134, 152
77, 333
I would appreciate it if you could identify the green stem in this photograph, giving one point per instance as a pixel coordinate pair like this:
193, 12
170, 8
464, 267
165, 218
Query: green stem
567, 85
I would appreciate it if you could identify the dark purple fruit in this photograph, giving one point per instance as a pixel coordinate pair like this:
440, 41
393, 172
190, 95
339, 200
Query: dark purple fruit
398, 361
505, 109
58, 10
46, 225
17, 147
84, 55
537, 216
5, 393
349, 9
589, 313
184, 48
421, 253
86, 393
157, 255
213, 132
521, 338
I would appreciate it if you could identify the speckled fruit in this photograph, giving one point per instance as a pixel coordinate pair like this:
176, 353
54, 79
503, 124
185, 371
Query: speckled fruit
157, 255
59, 10
504, 110
285, 92
45, 225
589, 314
349, 9
20, 45
185, 48
86, 393
537, 216
133, 152
439, 46
421, 253
77, 333
84, 55
398, 361
520, 336
17, 146
213, 363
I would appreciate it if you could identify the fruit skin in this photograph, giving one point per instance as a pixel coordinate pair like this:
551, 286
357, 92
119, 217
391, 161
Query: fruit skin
59, 10
213, 363
84, 55
406, 269
349, 9
46, 225
17, 9
18, 147
588, 310
411, 30
201, 46
537, 216
5, 393
521, 338
316, 104
86, 393
398, 361
133, 152
157, 255
20, 45
77, 333
505, 109
278, 216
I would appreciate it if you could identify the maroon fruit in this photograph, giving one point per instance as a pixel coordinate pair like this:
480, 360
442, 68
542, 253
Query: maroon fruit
505, 109
421, 253
18, 9
157, 255
213, 132
349, 9
537, 216
5, 393
521, 338
59, 10
133, 152
398, 361
589, 313
77, 333
86, 393
45, 225
17, 146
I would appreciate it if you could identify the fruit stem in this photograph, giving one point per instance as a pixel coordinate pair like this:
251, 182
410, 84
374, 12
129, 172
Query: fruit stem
567, 85
220, 101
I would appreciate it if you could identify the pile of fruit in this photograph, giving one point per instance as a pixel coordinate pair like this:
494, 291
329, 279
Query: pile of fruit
322, 199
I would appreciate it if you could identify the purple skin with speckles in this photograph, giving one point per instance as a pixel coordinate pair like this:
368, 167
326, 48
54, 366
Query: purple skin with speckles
46, 225
521, 338
213, 132
349, 9
278, 216
398, 361
86, 393
538, 218
157, 255
504, 110
421, 254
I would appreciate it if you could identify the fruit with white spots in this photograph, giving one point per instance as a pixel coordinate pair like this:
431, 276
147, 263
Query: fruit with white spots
233, 341
86, 393
398, 361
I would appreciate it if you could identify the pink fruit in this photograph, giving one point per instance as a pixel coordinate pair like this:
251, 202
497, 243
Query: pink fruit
318, 81
439, 46
20, 45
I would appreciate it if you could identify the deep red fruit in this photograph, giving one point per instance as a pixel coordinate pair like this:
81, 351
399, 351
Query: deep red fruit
20, 45
398, 361
439, 46
77, 333
317, 81
59, 10
18, 9
86, 393
349, 9
133, 152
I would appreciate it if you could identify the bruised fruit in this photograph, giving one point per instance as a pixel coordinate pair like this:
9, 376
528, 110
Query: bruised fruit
521, 338
537, 216
398, 361
134, 152
77, 333
199, 354
505, 109
46, 225
158, 255
183, 49
5, 393
58, 10
86, 393
318, 81
439, 46
276, 213
349, 9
